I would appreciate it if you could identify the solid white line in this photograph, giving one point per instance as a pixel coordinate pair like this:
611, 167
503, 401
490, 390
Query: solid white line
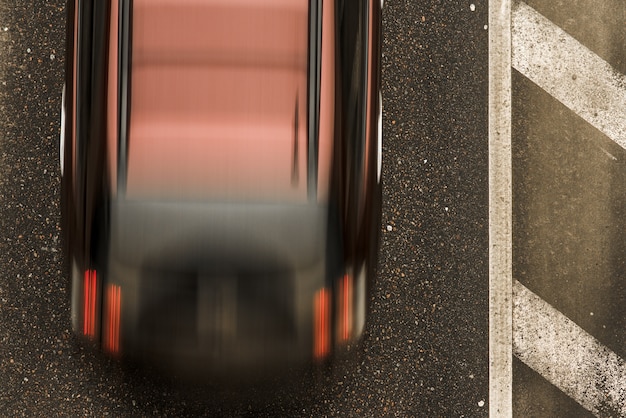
500, 204
567, 356
569, 71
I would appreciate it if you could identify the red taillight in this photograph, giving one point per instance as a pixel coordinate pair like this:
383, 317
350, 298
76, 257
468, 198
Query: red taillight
321, 341
345, 308
111, 337
89, 303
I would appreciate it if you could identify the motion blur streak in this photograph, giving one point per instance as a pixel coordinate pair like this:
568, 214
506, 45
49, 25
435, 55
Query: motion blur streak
322, 324
112, 327
89, 319
346, 307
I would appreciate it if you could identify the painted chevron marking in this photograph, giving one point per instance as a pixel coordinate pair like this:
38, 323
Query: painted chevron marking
569, 71
566, 355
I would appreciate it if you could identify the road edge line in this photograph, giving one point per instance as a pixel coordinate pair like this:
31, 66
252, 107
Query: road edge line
500, 211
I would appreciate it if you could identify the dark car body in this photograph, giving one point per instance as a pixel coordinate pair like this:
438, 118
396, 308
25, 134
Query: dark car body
221, 178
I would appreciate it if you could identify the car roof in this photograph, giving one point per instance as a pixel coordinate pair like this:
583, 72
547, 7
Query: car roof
218, 104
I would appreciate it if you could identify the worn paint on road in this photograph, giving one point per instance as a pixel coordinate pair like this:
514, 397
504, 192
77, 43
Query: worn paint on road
568, 148
566, 355
569, 71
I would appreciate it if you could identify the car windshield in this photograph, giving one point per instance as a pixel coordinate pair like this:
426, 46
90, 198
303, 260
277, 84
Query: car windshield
218, 100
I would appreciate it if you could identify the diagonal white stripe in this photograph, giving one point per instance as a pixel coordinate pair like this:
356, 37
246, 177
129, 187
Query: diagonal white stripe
567, 356
569, 71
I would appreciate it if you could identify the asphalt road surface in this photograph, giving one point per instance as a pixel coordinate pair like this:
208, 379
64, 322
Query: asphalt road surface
425, 352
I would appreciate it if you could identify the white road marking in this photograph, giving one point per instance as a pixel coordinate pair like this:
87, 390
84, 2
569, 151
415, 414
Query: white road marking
567, 356
500, 212
520, 321
543, 338
569, 71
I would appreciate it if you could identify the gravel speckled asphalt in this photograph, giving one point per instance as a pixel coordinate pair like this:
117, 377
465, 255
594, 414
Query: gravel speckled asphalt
426, 347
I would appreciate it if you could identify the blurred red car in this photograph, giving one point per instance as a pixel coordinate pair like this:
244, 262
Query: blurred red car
221, 178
